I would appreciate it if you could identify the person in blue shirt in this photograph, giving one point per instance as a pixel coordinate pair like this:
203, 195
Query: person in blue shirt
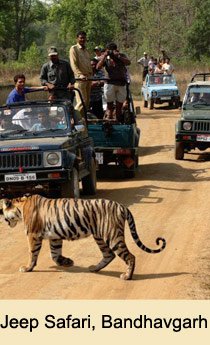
18, 93
43, 123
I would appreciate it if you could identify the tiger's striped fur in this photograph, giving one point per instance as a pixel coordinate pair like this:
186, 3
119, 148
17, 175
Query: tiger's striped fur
72, 219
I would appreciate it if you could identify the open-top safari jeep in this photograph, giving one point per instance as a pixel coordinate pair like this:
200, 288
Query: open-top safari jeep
116, 143
47, 158
193, 128
160, 88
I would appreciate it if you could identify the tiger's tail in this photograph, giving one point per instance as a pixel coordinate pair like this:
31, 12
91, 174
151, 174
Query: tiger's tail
137, 240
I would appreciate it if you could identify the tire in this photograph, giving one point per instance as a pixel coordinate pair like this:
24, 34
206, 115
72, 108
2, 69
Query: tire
89, 181
136, 161
70, 189
151, 103
129, 173
177, 103
145, 104
179, 151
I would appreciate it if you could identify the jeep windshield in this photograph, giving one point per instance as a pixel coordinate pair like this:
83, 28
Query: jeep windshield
157, 79
32, 121
197, 96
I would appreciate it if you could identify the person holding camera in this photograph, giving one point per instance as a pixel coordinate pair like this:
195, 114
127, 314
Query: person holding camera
115, 87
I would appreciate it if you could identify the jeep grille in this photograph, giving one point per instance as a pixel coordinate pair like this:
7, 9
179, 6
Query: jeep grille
165, 93
24, 160
201, 126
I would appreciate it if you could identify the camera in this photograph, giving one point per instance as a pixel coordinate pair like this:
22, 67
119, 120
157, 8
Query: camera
111, 54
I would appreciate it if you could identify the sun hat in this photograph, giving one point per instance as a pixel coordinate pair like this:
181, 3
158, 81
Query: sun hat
52, 51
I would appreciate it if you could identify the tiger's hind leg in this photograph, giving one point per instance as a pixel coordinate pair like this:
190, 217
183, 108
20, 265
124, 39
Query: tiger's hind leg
56, 249
122, 251
34, 245
108, 256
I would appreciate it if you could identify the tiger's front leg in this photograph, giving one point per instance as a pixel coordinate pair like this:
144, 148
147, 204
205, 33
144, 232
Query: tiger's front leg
34, 245
56, 250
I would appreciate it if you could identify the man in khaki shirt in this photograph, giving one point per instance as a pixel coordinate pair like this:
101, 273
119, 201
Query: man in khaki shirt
81, 66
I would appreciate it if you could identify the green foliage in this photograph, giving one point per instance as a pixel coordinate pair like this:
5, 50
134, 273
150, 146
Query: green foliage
32, 56
181, 27
95, 17
199, 32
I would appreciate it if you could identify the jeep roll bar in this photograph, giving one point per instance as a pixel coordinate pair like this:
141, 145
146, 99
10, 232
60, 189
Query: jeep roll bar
204, 75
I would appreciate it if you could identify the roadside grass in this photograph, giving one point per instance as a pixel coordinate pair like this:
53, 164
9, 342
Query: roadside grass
183, 76
183, 73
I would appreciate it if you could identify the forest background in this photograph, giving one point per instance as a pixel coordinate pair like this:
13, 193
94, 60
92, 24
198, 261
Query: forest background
29, 27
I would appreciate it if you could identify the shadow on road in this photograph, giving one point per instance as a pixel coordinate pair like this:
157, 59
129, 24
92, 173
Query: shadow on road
151, 150
116, 274
172, 172
136, 194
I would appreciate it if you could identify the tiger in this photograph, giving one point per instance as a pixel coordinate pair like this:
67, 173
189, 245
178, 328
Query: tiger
72, 219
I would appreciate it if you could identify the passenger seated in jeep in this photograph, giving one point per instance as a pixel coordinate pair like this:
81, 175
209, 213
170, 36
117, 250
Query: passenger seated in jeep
58, 122
8, 125
44, 123
205, 98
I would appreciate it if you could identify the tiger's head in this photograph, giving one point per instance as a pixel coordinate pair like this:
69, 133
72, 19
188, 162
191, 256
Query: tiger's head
11, 211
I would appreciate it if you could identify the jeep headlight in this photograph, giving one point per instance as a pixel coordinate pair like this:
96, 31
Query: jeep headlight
187, 126
52, 159
175, 93
154, 93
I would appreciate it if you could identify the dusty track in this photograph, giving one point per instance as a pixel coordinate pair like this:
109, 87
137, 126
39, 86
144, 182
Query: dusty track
168, 198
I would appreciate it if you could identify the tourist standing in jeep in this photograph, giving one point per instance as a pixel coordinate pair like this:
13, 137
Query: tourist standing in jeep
115, 88
80, 63
57, 75
19, 91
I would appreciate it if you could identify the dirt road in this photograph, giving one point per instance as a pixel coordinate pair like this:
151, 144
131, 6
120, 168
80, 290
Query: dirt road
168, 198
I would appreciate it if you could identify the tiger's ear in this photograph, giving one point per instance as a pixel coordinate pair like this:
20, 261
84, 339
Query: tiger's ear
24, 197
6, 203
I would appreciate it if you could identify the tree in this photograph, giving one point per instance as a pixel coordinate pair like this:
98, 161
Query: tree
95, 17
16, 20
199, 32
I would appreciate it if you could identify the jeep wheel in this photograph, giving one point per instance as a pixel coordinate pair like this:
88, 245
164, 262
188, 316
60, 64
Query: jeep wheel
177, 103
145, 104
70, 189
170, 103
130, 173
136, 161
89, 182
151, 103
179, 151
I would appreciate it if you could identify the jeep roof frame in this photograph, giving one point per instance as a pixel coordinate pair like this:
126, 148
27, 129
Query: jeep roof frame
204, 75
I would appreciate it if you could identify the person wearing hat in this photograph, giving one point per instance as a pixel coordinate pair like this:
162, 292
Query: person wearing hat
57, 73
97, 51
144, 61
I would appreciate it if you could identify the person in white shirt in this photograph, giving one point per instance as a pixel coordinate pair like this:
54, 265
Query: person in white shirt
144, 61
167, 67
158, 68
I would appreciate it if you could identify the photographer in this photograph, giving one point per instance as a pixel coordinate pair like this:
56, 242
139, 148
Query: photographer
115, 88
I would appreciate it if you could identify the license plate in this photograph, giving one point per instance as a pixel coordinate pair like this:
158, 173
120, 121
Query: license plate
100, 157
203, 137
20, 177
165, 98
